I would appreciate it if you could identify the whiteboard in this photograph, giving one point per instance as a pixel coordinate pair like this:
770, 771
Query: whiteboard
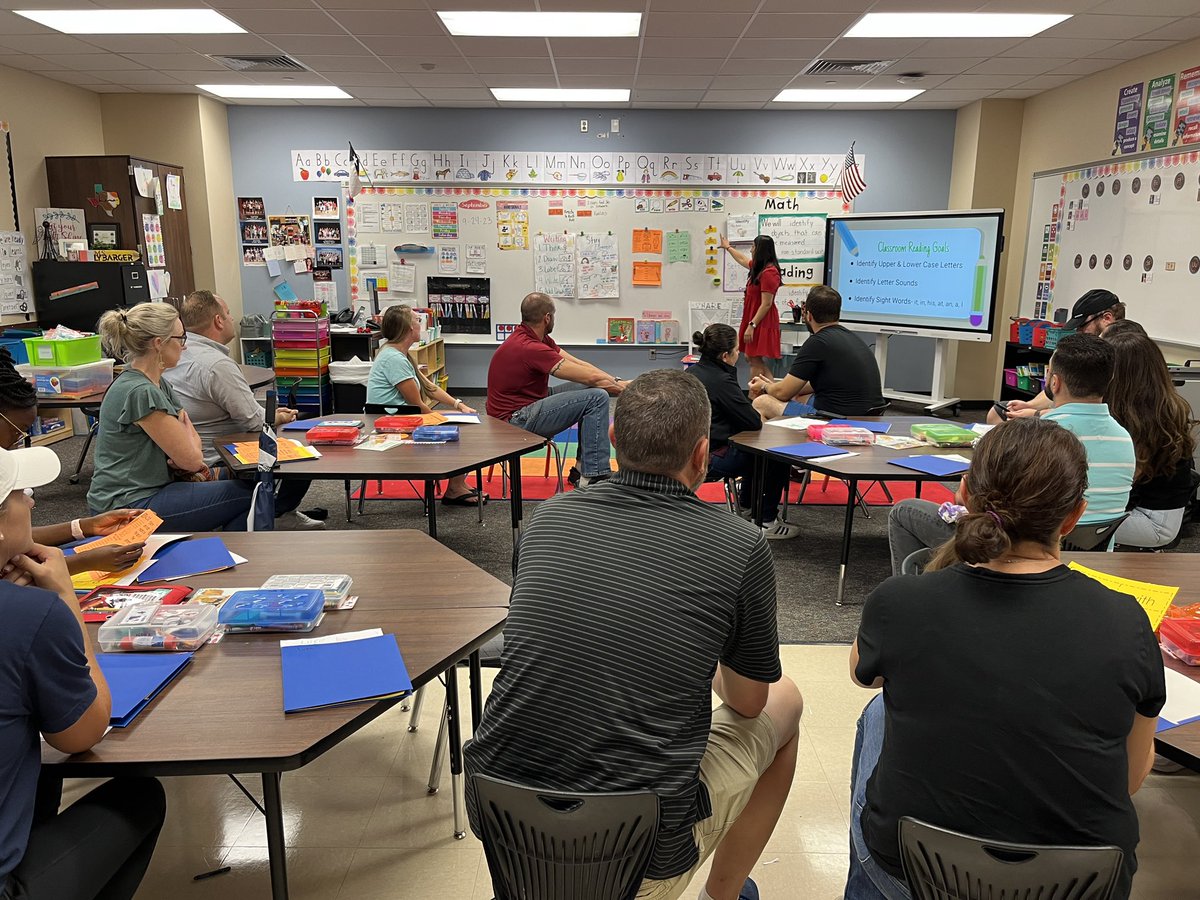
558, 227
1128, 225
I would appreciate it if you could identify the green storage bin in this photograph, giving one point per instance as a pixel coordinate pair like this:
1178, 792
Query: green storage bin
941, 435
76, 352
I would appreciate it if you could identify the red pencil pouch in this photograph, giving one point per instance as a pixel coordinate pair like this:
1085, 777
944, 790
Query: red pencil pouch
398, 424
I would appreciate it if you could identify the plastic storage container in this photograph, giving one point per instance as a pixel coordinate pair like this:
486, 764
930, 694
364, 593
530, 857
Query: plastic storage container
435, 433
398, 424
154, 626
1181, 638
75, 352
841, 435
273, 610
344, 435
69, 381
944, 435
13, 340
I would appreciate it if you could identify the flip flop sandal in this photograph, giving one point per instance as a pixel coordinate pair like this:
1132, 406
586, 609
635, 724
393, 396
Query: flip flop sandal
471, 499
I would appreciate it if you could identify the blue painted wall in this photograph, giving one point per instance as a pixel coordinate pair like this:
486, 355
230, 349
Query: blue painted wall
908, 159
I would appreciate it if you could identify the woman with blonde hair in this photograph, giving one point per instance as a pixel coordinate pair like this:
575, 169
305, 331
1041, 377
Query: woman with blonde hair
148, 455
395, 382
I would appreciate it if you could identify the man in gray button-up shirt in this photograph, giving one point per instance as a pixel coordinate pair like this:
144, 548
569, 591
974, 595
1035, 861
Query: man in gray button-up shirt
218, 400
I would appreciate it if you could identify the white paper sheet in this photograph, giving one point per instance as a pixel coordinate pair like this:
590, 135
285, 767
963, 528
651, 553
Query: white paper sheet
796, 423
342, 638
1183, 698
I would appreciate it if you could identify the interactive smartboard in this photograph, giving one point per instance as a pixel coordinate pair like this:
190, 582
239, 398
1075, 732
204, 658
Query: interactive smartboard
1131, 226
923, 273
603, 253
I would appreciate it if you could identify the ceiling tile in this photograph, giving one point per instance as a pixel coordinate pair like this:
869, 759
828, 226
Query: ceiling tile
839, 81
1048, 82
320, 44
470, 104
1014, 65
1161, 7
959, 47
517, 5
871, 48
1179, 30
89, 62
697, 48
161, 88
227, 44
111, 89
517, 65
190, 77
615, 47
733, 96
471, 47
725, 104
779, 48
442, 80
663, 104
925, 6
520, 81
668, 66
984, 82
385, 4
291, 78
11, 24
137, 76
890, 81
855, 107
918, 103
421, 63
573, 5
738, 65
375, 92
676, 96
934, 66
1015, 94
596, 81
360, 63
30, 63
431, 93
292, 21
134, 43
749, 82
1133, 49
384, 103
409, 23
697, 24
1061, 48
43, 44
691, 6
370, 79
1070, 7
801, 25
672, 82
228, 6
1115, 27
817, 6
1084, 66
187, 59
331, 103
83, 79
958, 96
594, 65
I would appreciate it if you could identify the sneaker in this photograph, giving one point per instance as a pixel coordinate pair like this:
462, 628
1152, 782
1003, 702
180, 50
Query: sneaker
749, 890
297, 521
780, 530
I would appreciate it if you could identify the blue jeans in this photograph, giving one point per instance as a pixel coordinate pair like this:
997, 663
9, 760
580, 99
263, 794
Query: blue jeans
201, 505
567, 405
867, 879
798, 408
737, 462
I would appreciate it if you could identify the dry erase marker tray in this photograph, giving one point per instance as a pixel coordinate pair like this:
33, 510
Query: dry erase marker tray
155, 626
267, 609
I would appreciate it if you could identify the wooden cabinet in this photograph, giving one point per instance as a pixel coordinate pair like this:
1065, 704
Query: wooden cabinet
73, 181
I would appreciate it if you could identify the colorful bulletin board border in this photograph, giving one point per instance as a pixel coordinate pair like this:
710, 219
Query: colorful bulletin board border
377, 192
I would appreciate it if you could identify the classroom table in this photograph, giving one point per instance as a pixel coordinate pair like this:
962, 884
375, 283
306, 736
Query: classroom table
1181, 744
491, 441
870, 463
224, 714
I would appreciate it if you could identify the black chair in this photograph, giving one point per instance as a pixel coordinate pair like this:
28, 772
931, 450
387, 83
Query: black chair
915, 562
945, 865
1083, 538
550, 845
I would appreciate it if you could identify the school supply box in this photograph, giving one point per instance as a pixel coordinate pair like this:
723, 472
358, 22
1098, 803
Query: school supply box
158, 626
267, 609
943, 435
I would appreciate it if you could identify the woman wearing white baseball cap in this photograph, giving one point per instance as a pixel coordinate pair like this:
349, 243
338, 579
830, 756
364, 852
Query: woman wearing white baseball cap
51, 683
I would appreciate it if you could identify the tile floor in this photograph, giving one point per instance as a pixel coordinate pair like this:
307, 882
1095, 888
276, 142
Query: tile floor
360, 825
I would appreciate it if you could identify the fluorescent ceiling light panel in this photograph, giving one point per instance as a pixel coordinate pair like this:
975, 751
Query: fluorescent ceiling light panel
862, 95
953, 25
465, 23
561, 95
276, 91
133, 21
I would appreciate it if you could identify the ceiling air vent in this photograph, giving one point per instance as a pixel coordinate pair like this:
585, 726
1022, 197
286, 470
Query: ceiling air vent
259, 63
848, 66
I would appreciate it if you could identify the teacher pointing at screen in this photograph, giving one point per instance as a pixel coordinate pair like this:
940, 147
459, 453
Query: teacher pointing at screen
758, 336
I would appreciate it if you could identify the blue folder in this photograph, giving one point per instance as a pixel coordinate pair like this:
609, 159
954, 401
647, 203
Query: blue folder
797, 408
320, 675
810, 450
134, 679
931, 465
187, 558
874, 427
301, 425
1167, 724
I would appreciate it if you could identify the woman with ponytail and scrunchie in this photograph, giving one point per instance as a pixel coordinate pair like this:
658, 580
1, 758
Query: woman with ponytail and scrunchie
1019, 697
733, 413
148, 454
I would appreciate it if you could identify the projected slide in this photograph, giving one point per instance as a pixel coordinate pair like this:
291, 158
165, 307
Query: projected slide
931, 274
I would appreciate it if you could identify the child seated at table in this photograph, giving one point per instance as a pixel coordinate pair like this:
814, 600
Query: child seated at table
395, 382
148, 455
1019, 697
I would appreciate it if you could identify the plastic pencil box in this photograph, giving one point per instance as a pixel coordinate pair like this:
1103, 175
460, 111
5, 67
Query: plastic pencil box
1181, 638
345, 435
272, 610
944, 435
156, 626
398, 424
840, 435
435, 433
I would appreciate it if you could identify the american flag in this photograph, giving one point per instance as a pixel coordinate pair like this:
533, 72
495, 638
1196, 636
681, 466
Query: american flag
853, 183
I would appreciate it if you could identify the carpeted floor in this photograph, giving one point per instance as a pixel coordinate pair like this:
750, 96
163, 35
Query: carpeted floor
806, 568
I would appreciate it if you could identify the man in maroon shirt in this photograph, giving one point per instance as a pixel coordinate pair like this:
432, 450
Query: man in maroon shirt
519, 387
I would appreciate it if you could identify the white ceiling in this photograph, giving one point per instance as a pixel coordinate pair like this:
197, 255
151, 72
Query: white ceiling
708, 54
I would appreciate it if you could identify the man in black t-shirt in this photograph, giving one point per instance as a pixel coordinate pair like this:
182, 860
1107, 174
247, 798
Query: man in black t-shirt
834, 371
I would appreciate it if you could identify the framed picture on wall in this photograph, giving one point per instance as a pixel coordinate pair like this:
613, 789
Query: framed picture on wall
328, 232
254, 232
104, 235
253, 256
252, 208
326, 208
329, 257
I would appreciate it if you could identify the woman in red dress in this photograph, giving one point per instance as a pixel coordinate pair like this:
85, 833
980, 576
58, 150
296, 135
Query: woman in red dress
758, 336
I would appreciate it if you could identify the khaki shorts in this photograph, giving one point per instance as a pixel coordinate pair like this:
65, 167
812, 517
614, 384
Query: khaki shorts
739, 751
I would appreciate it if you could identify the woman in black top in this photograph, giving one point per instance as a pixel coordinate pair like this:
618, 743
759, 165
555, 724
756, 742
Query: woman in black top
1143, 399
1019, 697
732, 413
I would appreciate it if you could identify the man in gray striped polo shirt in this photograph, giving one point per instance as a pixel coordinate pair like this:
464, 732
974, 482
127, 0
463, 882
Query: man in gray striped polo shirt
634, 600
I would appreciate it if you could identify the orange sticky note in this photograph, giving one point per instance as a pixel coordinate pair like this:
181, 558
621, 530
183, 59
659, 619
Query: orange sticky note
647, 240
647, 274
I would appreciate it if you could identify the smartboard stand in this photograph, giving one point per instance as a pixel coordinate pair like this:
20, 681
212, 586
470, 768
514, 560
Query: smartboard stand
936, 400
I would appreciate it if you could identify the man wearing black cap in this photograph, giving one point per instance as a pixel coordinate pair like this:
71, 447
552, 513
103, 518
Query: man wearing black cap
1091, 314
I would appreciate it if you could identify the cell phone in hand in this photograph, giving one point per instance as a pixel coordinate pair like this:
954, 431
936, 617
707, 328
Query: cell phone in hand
1001, 409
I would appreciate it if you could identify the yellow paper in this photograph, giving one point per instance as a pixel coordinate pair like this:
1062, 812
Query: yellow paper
135, 532
647, 240
288, 451
647, 273
1154, 598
